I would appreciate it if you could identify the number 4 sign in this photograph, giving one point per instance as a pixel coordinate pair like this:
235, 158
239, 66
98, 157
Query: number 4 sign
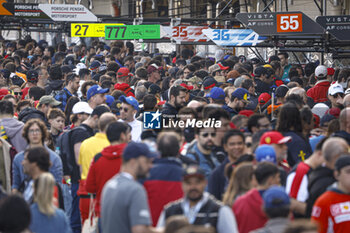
289, 22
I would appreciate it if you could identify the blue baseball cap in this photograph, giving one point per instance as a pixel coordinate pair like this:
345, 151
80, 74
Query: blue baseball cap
109, 100
135, 149
95, 89
265, 153
275, 197
130, 100
241, 94
217, 93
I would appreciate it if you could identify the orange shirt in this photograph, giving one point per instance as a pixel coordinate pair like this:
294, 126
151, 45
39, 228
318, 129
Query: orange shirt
332, 210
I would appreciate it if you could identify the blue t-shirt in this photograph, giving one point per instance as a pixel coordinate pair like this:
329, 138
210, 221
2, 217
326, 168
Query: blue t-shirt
42, 223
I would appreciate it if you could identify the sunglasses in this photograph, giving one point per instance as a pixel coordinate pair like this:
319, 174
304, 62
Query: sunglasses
17, 93
337, 95
205, 135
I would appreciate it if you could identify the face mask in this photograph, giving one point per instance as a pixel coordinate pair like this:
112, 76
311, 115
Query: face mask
343, 84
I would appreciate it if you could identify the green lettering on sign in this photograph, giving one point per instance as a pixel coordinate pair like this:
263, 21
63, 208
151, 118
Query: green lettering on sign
131, 32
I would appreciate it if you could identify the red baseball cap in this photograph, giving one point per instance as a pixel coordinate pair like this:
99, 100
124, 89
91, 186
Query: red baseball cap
153, 67
274, 137
123, 72
3, 93
264, 98
330, 71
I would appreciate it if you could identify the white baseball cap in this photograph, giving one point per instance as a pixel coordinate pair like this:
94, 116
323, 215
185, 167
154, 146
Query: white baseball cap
335, 88
82, 107
321, 71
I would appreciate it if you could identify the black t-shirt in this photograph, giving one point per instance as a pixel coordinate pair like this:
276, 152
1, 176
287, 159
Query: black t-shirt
79, 135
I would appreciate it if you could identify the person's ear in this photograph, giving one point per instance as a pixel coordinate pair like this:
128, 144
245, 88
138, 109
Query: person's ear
336, 174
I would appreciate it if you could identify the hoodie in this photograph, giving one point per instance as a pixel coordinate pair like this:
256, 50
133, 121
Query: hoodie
124, 87
30, 113
248, 211
13, 129
103, 167
319, 180
342, 134
54, 85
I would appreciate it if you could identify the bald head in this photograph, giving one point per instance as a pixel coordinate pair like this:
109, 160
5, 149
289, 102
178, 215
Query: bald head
346, 101
332, 149
105, 120
344, 119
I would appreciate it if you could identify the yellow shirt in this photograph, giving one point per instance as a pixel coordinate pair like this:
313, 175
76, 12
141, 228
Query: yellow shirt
88, 149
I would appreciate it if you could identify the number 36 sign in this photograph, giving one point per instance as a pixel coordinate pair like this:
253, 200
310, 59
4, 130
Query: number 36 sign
280, 23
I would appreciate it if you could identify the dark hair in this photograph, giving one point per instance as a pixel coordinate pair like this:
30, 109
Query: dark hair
141, 73
180, 62
231, 133
22, 103
149, 102
128, 58
306, 114
264, 171
55, 72
36, 92
100, 109
168, 144
84, 86
54, 113
115, 129
277, 212
247, 83
70, 77
83, 72
58, 57
42, 126
253, 121
289, 119
15, 215
40, 156
6, 107
295, 99
216, 113
284, 54
175, 91
113, 66
69, 107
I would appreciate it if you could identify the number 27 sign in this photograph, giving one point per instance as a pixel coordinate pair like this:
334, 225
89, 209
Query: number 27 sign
290, 22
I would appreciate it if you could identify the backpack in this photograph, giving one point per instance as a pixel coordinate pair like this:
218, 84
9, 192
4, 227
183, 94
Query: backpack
65, 150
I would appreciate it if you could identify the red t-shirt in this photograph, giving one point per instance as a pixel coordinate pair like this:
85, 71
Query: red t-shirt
332, 210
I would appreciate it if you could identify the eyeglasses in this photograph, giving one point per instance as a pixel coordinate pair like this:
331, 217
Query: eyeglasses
336, 95
205, 135
33, 131
17, 93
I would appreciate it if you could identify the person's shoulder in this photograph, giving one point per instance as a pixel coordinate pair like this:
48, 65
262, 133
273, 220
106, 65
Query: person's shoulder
19, 156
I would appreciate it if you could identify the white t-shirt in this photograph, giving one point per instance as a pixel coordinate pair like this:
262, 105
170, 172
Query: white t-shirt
136, 130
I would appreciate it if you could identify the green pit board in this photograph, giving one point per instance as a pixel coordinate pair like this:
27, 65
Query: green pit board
131, 32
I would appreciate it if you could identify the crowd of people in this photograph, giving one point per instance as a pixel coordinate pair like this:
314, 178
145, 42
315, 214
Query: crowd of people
76, 154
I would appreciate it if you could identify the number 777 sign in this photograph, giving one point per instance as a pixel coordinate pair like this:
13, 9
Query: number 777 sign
280, 23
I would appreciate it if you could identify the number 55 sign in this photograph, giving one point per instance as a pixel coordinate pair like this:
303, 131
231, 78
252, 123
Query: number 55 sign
289, 22
280, 23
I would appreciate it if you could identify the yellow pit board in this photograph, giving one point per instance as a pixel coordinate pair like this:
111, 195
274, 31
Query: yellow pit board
89, 29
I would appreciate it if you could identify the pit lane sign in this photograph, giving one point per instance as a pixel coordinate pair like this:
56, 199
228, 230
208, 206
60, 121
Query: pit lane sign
89, 29
131, 32
336, 25
21, 10
280, 23
234, 37
187, 33
68, 12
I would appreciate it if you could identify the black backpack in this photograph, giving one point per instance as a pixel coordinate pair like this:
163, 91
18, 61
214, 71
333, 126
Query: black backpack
65, 150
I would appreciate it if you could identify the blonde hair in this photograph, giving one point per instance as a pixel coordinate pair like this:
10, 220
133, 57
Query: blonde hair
240, 182
43, 193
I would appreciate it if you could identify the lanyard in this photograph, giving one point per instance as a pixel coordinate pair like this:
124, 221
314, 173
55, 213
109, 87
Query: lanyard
191, 212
